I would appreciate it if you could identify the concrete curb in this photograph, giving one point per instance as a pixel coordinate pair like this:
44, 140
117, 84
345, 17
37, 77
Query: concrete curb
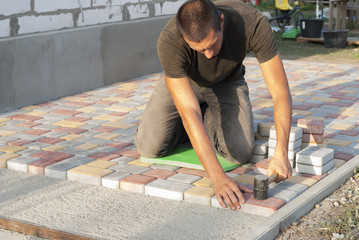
303, 204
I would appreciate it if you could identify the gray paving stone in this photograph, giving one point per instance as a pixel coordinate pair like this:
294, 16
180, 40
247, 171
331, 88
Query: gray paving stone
281, 193
21, 163
291, 145
113, 180
167, 189
28, 152
46, 127
80, 152
4, 140
123, 159
36, 145
184, 178
261, 147
29, 137
133, 169
291, 154
295, 187
71, 144
316, 156
257, 158
54, 134
164, 167
316, 170
59, 170
79, 160
295, 133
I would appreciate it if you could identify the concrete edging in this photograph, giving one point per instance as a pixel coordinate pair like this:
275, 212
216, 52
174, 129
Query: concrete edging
303, 204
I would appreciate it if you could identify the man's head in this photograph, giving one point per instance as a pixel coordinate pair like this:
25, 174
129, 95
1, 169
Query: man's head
201, 25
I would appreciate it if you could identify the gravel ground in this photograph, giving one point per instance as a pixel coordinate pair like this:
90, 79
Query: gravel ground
336, 217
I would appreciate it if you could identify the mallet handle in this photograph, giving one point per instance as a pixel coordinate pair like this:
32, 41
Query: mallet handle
272, 177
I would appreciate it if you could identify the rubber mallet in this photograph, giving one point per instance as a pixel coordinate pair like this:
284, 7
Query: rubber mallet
261, 183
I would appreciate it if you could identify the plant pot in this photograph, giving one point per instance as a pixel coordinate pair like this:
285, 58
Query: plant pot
335, 38
311, 28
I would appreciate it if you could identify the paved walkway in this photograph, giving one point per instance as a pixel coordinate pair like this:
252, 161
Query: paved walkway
89, 137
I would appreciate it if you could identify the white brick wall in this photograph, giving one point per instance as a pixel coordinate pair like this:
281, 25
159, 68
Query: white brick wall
138, 11
98, 3
4, 28
98, 16
168, 7
54, 5
8, 7
30, 24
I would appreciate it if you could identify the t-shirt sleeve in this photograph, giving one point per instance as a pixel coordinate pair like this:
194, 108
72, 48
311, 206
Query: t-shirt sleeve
262, 41
172, 56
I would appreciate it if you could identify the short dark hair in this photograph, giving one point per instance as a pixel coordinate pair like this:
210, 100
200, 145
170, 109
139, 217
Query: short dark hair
195, 19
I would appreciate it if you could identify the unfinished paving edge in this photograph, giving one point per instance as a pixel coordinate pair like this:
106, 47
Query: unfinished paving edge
270, 227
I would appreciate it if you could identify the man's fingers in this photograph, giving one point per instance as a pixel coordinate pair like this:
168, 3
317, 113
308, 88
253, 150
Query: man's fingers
244, 189
229, 202
220, 201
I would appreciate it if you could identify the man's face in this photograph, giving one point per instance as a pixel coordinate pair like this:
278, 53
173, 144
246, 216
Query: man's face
211, 45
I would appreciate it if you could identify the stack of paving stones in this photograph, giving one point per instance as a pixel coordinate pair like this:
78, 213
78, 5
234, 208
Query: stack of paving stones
294, 144
88, 137
313, 132
315, 160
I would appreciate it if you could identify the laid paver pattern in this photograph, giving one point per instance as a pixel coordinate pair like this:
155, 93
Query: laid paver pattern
88, 137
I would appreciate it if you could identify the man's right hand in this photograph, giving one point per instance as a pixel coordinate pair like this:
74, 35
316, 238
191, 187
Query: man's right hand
228, 191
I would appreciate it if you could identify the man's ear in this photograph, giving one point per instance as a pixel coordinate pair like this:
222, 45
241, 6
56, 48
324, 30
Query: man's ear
222, 21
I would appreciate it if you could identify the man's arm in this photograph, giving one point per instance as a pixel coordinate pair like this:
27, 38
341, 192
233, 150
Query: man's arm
190, 112
277, 84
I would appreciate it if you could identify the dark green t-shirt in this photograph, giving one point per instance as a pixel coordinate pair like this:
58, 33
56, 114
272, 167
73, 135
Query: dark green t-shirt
245, 30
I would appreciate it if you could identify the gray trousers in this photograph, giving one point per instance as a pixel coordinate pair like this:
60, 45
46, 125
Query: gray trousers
228, 120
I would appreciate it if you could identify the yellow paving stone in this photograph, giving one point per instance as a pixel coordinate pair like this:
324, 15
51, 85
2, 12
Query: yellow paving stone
245, 178
204, 182
3, 119
323, 144
88, 109
108, 136
4, 133
299, 99
260, 116
199, 195
90, 171
349, 91
350, 112
147, 95
324, 99
116, 99
87, 146
71, 98
338, 162
308, 93
302, 180
120, 108
6, 157
36, 113
118, 124
346, 127
139, 163
264, 102
101, 164
71, 124
141, 107
71, 137
315, 117
54, 148
301, 112
338, 142
107, 118
12, 149
30, 108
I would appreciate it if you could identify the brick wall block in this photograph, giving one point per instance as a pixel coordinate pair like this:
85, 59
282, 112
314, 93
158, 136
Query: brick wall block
31, 24
54, 5
97, 16
9, 7
167, 7
4, 28
138, 11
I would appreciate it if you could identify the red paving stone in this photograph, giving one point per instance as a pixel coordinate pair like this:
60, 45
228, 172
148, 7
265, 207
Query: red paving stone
25, 117
192, 172
20, 142
271, 202
28, 124
311, 126
117, 144
129, 153
118, 114
78, 119
70, 130
138, 179
343, 156
38, 167
105, 129
350, 133
336, 116
78, 103
241, 170
159, 173
312, 138
263, 163
66, 112
36, 131
49, 140
104, 156
317, 177
52, 156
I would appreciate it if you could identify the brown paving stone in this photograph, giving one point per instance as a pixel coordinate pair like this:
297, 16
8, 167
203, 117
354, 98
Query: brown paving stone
52, 156
118, 114
25, 117
37, 132
118, 144
28, 124
317, 177
312, 138
129, 153
70, 130
311, 126
261, 207
78, 119
195, 172
241, 170
135, 183
102, 102
105, 129
104, 156
66, 112
263, 163
302, 180
20, 142
159, 173
350, 133
50, 140
343, 156
38, 167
